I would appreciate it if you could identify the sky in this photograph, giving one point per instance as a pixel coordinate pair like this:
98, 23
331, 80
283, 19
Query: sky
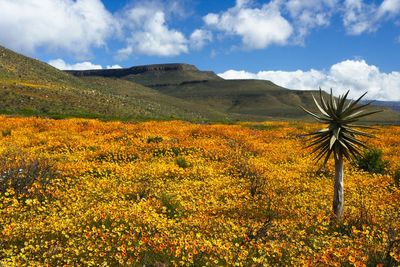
299, 44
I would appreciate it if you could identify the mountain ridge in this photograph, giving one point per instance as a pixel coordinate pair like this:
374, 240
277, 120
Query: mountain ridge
159, 91
120, 72
239, 99
394, 105
153, 74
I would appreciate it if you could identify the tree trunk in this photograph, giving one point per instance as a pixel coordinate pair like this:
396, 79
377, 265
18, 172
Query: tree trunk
338, 194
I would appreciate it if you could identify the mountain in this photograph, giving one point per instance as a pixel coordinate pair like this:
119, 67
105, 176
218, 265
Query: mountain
153, 75
161, 91
394, 105
239, 99
31, 87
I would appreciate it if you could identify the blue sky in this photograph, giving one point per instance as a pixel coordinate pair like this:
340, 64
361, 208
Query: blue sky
299, 44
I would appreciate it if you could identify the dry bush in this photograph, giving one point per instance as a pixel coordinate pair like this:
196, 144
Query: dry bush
19, 173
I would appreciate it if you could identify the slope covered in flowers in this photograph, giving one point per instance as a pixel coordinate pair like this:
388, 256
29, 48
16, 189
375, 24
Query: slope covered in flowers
174, 193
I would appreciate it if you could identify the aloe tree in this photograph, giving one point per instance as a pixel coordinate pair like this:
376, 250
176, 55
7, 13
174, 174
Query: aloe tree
340, 137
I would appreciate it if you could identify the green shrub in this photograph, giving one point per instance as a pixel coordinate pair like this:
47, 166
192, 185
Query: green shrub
262, 127
372, 162
173, 207
145, 187
154, 139
116, 157
181, 162
244, 170
6, 132
396, 177
21, 174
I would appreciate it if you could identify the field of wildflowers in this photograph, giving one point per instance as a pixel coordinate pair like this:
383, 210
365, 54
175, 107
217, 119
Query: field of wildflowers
89, 193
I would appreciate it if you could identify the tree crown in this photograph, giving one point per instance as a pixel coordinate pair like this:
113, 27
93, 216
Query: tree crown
340, 136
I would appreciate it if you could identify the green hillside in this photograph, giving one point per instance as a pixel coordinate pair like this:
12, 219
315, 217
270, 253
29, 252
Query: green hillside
161, 91
150, 102
240, 99
256, 100
31, 87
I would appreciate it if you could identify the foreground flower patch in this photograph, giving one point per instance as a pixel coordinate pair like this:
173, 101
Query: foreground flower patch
90, 193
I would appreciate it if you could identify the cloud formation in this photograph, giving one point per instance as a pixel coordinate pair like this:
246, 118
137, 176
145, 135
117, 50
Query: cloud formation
276, 22
62, 65
72, 26
257, 27
116, 66
199, 38
148, 33
306, 15
354, 75
360, 17
282, 22
78, 27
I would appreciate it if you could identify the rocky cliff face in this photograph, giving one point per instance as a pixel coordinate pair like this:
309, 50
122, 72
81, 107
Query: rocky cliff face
165, 67
118, 73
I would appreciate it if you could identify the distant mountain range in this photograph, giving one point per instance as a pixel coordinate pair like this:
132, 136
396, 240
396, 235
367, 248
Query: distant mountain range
394, 105
239, 99
161, 91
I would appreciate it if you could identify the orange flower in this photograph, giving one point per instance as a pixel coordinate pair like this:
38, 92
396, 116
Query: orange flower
352, 259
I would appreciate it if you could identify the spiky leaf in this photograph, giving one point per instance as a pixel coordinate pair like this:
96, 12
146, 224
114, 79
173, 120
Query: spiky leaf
340, 136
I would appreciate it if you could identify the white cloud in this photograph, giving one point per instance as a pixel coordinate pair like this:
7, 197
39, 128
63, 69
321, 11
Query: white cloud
309, 14
149, 34
360, 17
71, 26
354, 75
290, 21
199, 38
78, 26
239, 75
113, 67
389, 7
62, 65
257, 27
211, 19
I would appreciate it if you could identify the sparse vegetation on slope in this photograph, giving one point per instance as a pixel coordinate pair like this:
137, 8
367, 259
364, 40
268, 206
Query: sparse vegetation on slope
30, 87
